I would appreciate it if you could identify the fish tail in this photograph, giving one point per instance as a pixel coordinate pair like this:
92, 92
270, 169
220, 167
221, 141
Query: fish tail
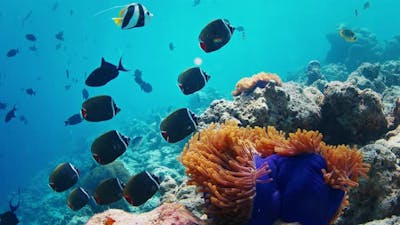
121, 67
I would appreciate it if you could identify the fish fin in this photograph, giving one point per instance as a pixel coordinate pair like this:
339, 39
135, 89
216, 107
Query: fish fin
106, 10
117, 21
120, 66
122, 12
103, 61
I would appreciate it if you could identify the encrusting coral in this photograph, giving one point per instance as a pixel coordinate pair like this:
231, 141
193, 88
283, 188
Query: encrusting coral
248, 84
261, 175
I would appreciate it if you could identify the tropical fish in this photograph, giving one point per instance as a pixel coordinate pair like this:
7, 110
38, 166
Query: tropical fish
133, 15
178, 125
192, 80
109, 146
64, 176
348, 35
30, 91
85, 94
77, 198
12, 52
10, 114
73, 120
30, 37
144, 86
99, 108
108, 191
141, 188
216, 34
103, 74
60, 36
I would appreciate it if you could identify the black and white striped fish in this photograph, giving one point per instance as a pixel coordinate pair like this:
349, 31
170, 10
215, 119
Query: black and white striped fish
133, 15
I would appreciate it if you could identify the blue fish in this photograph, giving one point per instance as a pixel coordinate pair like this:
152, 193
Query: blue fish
73, 120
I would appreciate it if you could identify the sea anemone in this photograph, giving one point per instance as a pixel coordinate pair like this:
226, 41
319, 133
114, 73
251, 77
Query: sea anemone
261, 80
261, 175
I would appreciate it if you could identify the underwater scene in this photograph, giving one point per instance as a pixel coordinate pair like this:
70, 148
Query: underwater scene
200, 112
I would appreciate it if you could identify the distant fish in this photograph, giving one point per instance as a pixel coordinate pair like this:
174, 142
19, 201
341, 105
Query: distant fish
109, 146
144, 86
10, 115
171, 46
23, 119
30, 37
73, 120
27, 16
12, 52
78, 198
356, 12
192, 80
3, 106
367, 4
64, 176
85, 94
141, 188
71, 12
196, 3
33, 48
108, 191
58, 46
67, 73
67, 87
30, 91
99, 108
105, 73
178, 125
348, 35
60, 36
55, 6
133, 15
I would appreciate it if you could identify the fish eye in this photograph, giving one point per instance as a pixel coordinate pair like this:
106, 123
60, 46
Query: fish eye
148, 13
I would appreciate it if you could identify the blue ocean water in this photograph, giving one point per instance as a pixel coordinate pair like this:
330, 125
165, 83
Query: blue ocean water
280, 37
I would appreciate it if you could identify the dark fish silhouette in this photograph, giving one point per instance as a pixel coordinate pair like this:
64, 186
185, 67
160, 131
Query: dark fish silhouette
67, 87
10, 114
85, 94
67, 73
60, 36
64, 176
33, 48
144, 86
3, 106
109, 146
99, 108
73, 120
9, 217
178, 125
105, 73
171, 46
108, 191
55, 6
196, 3
12, 52
23, 119
58, 46
192, 80
77, 199
367, 4
30, 91
30, 37
141, 188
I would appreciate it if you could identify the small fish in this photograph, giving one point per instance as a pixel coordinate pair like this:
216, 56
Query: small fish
3, 106
356, 12
171, 46
67, 73
64, 176
71, 12
108, 191
23, 119
77, 199
12, 52
99, 108
144, 86
67, 87
58, 46
141, 188
27, 16
10, 115
348, 35
30, 92
196, 3
30, 37
109, 146
216, 34
133, 15
60, 36
367, 4
33, 48
85, 94
73, 120
192, 80
55, 6
178, 125
105, 73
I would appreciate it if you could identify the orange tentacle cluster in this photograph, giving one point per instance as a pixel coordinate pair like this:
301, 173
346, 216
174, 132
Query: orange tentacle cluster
247, 84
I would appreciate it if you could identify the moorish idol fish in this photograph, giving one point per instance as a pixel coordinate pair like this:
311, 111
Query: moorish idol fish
108, 191
64, 176
192, 80
178, 125
105, 73
133, 15
109, 146
99, 108
141, 188
77, 199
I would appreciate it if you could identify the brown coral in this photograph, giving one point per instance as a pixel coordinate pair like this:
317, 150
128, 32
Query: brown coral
248, 84
219, 160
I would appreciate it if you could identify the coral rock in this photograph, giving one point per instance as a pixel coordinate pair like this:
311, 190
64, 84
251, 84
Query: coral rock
248, 84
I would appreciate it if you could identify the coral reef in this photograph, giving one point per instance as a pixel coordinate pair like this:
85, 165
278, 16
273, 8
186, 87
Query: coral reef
248, 84
223, 162
166, 214
313, 72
